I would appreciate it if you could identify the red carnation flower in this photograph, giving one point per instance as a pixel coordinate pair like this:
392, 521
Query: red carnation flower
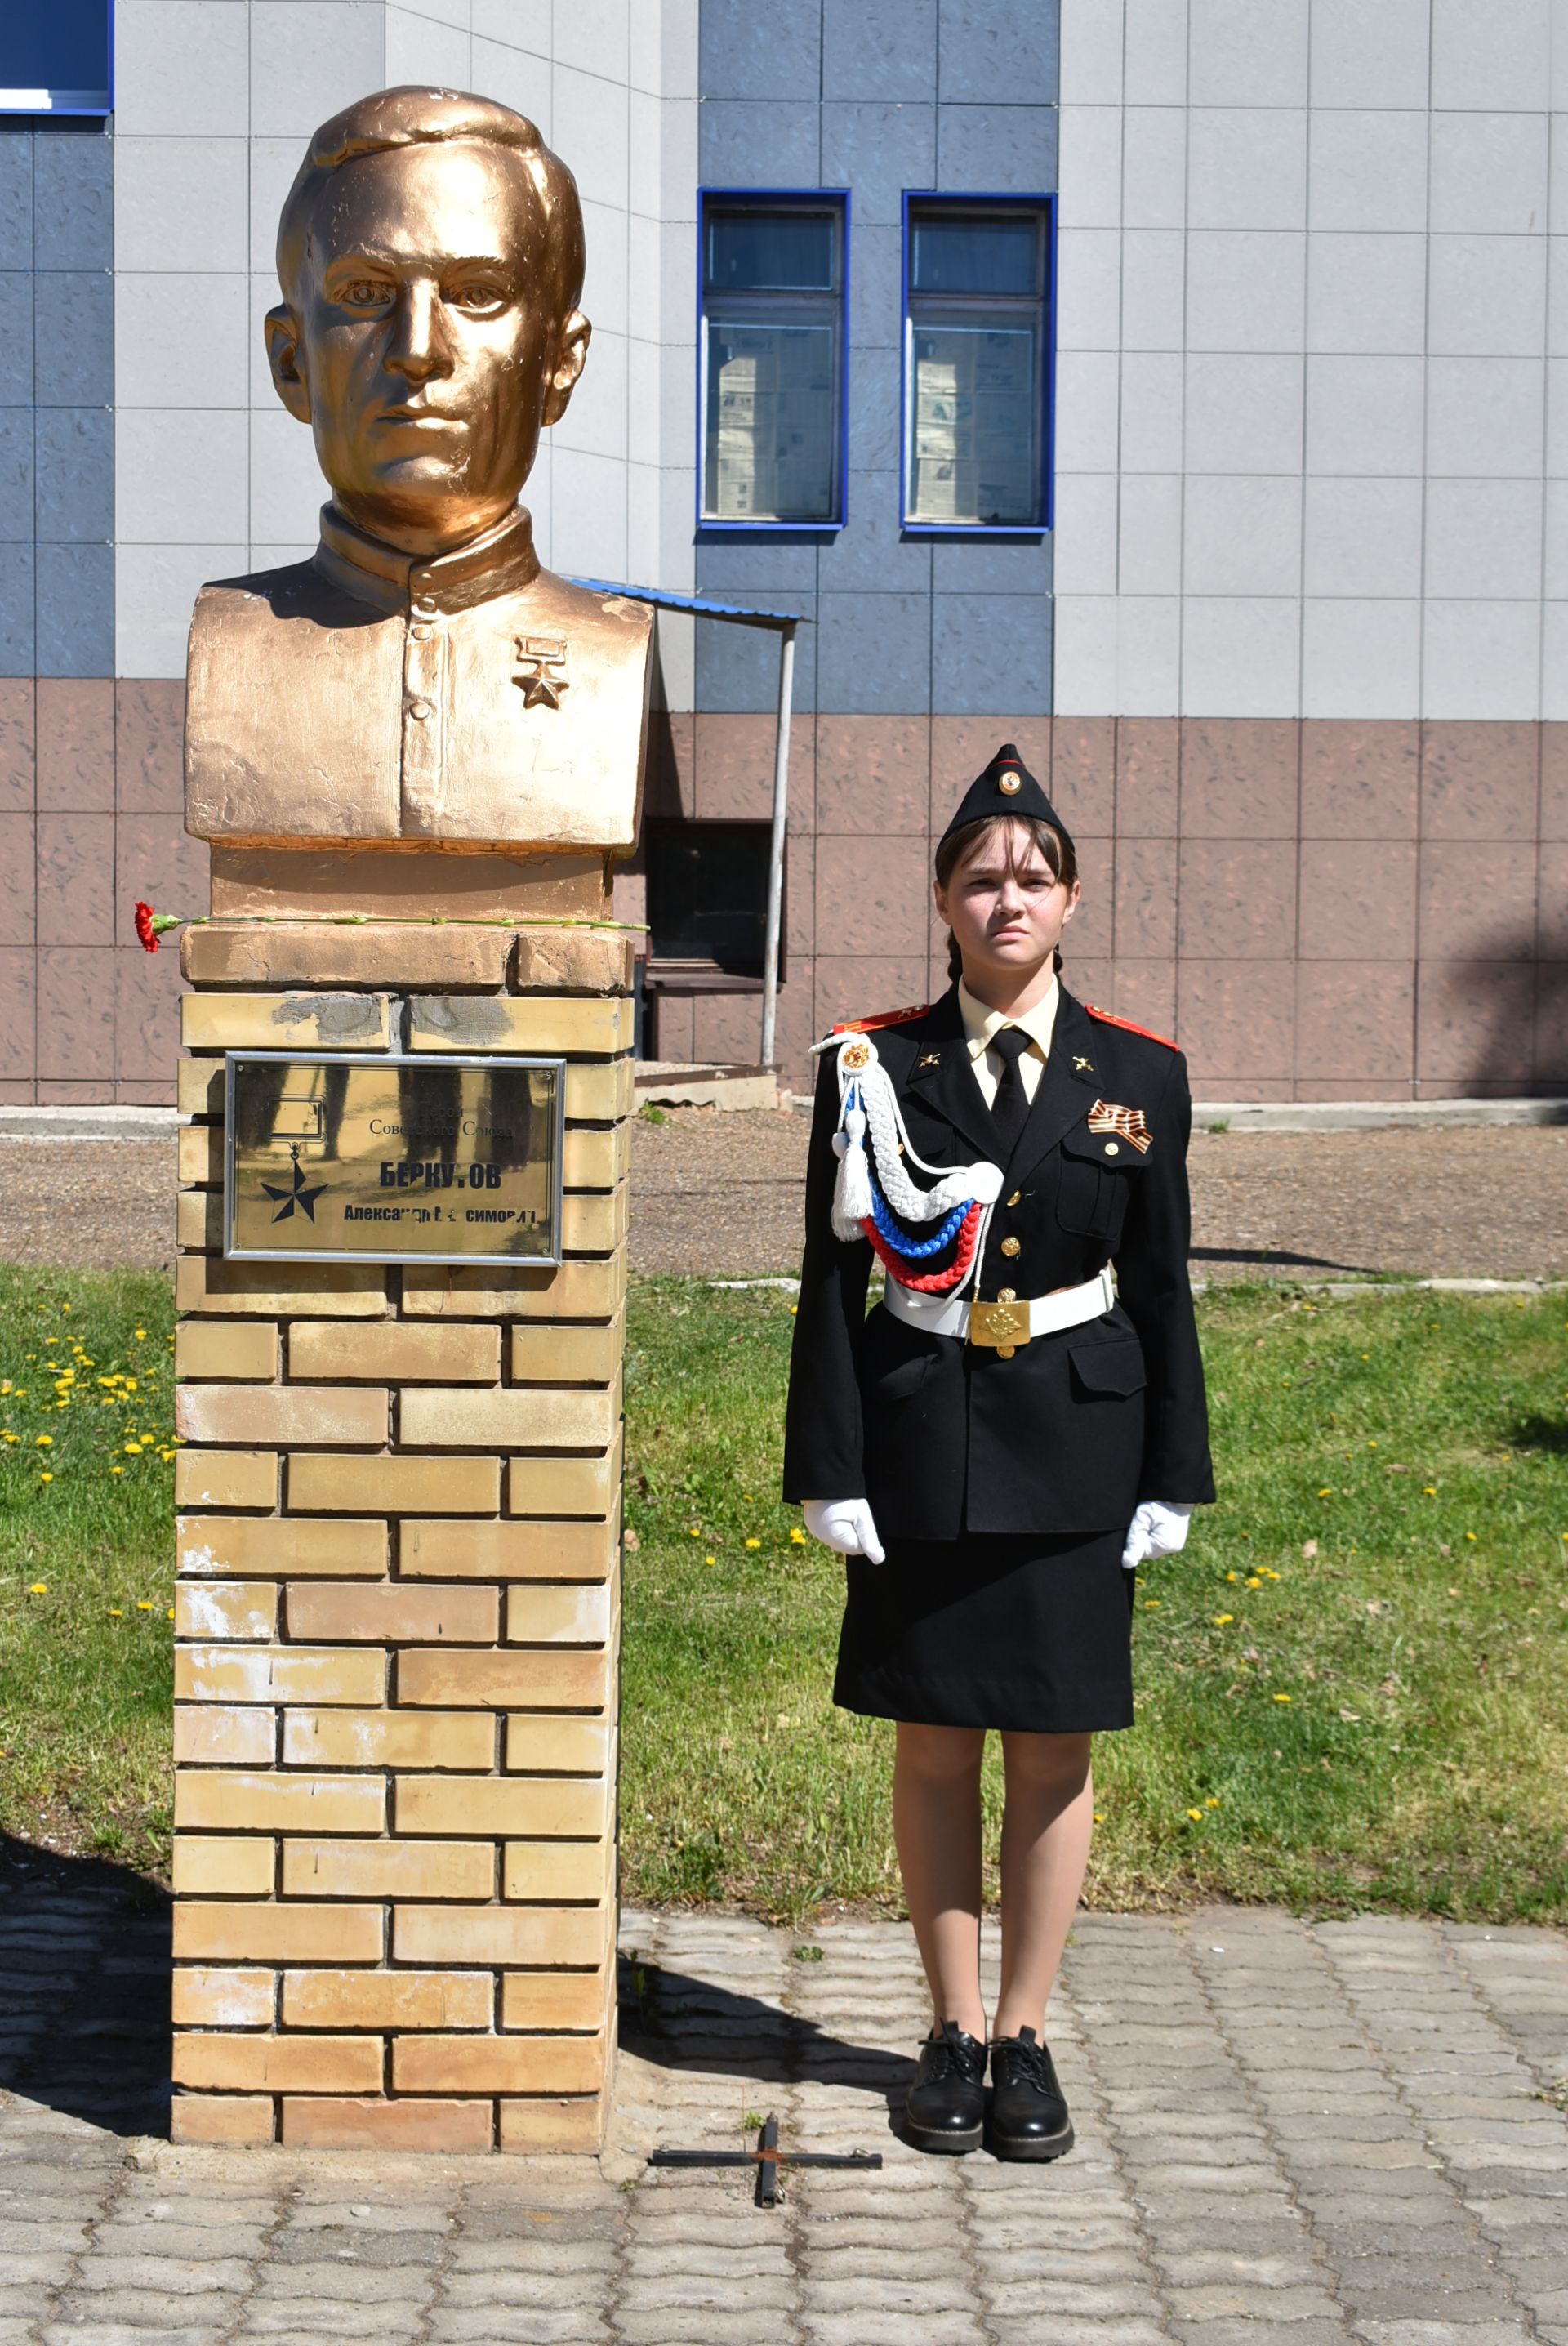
145, 917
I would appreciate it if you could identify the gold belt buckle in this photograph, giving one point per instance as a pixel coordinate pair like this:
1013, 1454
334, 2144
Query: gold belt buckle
1004, 1323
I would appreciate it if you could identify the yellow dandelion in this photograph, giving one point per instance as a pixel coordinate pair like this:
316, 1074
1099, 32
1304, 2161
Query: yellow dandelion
1254, 1582
1428, 1491
1099, 1816
44, 1442
1282, 1697
1221, 1619
1212, 1801
133, 1449
1233, 1575
1470, 1535
117, 1612
38, 1589
46, 1478
1196, 1815
694, 1530
139, 1334
171, 1613
117, 1470
753, 1543
1151, 1605
798, 1537
144, 1604
794, 1307
1326, 1493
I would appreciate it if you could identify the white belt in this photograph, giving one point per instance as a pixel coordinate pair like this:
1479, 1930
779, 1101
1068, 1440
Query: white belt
1007, 1322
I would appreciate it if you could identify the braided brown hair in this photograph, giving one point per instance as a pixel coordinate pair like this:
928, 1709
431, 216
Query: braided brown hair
959, 847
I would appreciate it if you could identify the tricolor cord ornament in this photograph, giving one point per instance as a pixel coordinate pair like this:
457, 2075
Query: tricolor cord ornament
873, 1179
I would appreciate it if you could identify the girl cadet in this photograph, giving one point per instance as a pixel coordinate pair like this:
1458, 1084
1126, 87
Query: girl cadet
1000, 1442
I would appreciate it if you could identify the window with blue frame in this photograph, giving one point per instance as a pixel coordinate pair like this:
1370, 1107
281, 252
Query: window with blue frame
55, 59
772, 361
977, 363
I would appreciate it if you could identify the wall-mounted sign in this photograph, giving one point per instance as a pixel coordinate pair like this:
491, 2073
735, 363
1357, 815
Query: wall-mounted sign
370, 1157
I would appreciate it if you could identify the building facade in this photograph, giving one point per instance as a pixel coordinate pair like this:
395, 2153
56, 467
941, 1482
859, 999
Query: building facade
1178, 388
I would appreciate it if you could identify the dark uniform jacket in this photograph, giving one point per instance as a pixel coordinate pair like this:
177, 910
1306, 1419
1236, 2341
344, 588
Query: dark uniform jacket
942, 1436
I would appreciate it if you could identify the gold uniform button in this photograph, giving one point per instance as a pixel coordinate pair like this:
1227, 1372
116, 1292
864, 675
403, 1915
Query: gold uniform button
1011, 1246
1113, 1147
421, 710
1005, 1352
1006, 1295
1011, 784
1016, 1198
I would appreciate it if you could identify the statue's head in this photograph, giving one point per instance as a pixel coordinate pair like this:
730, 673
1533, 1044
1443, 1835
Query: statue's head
431, 258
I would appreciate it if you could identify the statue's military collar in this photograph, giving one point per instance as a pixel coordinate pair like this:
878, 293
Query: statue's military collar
500, 563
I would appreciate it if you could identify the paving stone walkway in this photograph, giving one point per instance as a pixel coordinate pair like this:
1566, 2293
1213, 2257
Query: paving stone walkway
1310, 2133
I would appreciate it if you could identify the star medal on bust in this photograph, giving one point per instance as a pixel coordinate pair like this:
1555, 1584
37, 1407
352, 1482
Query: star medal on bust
877, 1197
542, 670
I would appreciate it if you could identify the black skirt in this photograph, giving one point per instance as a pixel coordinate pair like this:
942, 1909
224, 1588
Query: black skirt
1027, 1632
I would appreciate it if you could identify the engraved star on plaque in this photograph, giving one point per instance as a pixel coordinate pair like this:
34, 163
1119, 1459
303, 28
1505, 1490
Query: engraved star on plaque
542, 670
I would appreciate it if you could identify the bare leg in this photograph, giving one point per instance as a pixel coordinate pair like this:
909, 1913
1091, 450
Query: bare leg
936, 1825
1045, 1828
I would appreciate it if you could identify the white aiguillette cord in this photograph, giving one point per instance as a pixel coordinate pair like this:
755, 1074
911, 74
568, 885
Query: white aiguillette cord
868, 1102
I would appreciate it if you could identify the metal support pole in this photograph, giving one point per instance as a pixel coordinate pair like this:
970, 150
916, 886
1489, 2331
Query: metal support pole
775, 851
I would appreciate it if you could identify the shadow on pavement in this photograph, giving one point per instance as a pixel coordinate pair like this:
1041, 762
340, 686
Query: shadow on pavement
85, 1975
1275, 1259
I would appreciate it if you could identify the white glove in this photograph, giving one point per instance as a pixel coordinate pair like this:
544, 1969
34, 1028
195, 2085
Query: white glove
1156, 1529
845, 1524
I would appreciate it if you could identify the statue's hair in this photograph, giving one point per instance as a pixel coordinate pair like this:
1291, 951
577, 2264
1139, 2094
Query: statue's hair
411, 117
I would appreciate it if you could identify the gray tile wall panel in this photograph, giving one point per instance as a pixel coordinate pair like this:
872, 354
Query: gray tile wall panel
996, 149
873, 556
75, 461
879, 49
76, 623
16, 196
874, 653
990, 652
771, 53
73, 191
993, 52
16, 456
17, 635
743, 144
737, 668
878, 150
73, 337
15, 338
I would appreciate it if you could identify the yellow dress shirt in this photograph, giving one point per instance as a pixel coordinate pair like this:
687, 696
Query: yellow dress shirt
980, 1024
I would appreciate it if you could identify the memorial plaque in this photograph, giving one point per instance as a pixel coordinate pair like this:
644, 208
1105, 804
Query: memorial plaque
370, 1157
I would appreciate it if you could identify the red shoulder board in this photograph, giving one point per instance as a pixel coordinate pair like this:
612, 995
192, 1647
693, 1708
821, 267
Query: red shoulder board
882, 1018
1109, 1018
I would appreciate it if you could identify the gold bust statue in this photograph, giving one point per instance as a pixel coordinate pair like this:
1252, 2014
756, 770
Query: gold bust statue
421, 681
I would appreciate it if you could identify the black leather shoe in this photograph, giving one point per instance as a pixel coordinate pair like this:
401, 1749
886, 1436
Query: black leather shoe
945, 2109
1028, 2115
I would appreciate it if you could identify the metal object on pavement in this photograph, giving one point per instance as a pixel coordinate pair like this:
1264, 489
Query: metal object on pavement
767, 2159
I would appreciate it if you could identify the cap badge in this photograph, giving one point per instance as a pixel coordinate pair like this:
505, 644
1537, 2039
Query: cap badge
929, 1059
1010, 784
855, 1057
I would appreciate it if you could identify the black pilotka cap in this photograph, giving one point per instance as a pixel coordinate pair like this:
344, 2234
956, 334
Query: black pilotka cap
1006, 787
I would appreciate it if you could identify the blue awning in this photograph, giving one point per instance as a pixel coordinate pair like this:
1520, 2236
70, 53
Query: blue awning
702, 606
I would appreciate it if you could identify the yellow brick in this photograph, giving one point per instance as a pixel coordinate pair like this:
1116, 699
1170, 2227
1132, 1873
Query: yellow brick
281, 1413
226, 1478
543, 1616
394, 1615
583, 1290
318, 953
364, 2123
595, 1157
395, 1352
543, 2124
229, 1798
199, 1156
441, 1677
199, 1087
594, 1220
227, 1931
217, 1735
551, 1355
531, 1806
208, 1997
328, 1483
286, 1022
492, 2065
548, 1745
388, 1869
539, 1418
596, 1093
278, 1673
272, 2064
198, 1222
386, 1999
286, 1546
226, 1608
520, 1935
577, 2000
341, 1291
388, 1738
223, 1865
233, 2121
240, 1349
555, 1871
533, 1551
543, 1022
589, 961
565, 1486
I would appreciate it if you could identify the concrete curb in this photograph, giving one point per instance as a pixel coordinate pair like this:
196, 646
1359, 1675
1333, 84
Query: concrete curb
75, 1124
1370, 1115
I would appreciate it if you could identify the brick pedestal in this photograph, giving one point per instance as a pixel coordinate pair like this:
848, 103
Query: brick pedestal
398, 1602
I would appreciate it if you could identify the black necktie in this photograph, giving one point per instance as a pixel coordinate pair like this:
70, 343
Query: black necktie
1011, 1105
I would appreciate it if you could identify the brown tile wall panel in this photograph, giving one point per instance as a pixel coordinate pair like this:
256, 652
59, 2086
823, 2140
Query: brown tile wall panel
874, 775
18, 983
962, 747
1145, 991
733, 768
1555, 781
75, 879
1478, 899
1237, 899
872, 898
1357, 902
18, 880
1236, 1020
1145, 898
1355, 1019
147, 1019
855, 986
1148, 775
1480, 781
1359, 780
76, 720
16, 721
157, 861
1475, 1024
149, 745
1083, 779
1240, 777
1552, 938
1552, 1026
75, 1018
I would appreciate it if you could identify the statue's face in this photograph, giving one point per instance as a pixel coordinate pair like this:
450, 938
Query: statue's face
422, 347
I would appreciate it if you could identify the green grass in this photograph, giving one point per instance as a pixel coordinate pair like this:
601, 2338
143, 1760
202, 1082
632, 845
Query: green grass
1379, 1723
86, 1560
1390, 1545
